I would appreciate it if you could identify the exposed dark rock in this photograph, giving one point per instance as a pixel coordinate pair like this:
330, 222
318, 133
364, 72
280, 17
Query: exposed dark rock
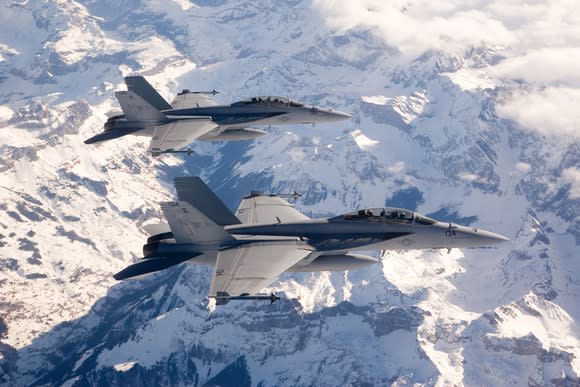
408, 198
520, 255
235, 374
98, 187
15, 216
397, 318
44, 190
9, 264
448, 215
28, 245
134, 167
34, 213
36, 276
73, 236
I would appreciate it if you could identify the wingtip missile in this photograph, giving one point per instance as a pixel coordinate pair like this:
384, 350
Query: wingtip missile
223, 298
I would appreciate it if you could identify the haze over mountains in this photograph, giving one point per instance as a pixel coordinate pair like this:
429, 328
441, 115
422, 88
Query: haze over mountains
467, 115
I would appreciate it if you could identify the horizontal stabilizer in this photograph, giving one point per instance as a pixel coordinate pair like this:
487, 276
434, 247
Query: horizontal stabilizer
151, 266
113, 113
194, 191
111, 134
140, 86
156, 228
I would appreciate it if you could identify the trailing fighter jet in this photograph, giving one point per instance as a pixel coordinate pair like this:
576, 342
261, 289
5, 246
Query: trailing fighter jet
267, 236
195, 116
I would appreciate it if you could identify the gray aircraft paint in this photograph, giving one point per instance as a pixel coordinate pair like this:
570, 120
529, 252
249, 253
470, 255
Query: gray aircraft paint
196, 117
201, 229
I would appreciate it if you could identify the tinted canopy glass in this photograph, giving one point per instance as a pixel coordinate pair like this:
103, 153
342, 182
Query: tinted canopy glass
269, 100
387, 215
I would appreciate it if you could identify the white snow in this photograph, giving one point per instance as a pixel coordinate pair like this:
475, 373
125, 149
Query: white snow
362, 141
124, 367
472, 79
376, 99
523, 167
5, 113
414, 127
572, 177
466, 176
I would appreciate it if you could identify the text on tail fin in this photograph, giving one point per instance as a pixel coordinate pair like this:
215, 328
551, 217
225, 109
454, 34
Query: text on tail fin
136, 108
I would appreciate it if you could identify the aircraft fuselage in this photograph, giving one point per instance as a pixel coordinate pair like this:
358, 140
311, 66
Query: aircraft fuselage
335, 237
228, 117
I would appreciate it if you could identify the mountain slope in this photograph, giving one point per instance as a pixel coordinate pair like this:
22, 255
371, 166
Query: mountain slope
426, 135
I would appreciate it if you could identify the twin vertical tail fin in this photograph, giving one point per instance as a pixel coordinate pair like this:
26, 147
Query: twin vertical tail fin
191, 226
198, 218
193, 190
142, 106
140, 86
135, 108
141, 102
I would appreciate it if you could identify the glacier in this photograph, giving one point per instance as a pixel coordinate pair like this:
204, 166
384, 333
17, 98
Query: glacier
426, 135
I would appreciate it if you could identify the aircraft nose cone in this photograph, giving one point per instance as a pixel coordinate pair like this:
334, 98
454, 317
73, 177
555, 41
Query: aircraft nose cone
483, 238
493, 238
341, 115
329, 115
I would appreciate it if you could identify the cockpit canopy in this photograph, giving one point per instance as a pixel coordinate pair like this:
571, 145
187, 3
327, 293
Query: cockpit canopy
269, 100
387, 215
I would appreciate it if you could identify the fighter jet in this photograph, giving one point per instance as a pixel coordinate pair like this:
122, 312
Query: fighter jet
267, 236
195, 116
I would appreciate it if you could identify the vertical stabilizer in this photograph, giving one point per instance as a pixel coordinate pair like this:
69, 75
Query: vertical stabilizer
140, 86
193, 190
136, 108
189, 225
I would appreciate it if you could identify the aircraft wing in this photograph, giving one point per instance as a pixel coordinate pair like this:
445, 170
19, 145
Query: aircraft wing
267, 209
178, 134
249, 268
192, 100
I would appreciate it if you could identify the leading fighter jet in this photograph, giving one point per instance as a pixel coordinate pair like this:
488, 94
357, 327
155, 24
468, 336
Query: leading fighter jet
195, 116
267, 236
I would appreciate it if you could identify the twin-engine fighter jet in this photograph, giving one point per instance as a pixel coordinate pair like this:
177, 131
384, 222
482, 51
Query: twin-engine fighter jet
267, 236
195, 116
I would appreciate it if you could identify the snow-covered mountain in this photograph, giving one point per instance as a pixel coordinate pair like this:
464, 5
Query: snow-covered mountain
432, 132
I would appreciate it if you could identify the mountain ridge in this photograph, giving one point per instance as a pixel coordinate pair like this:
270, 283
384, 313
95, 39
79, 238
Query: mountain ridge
420, 128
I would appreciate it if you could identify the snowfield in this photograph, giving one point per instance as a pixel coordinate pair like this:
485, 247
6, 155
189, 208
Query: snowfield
449, 128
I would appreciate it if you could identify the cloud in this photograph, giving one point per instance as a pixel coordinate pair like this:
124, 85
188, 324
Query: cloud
452, 25
539, 40
469, 177
572, 177
546, 66
397, 168
418, 26
523, 167
549, 111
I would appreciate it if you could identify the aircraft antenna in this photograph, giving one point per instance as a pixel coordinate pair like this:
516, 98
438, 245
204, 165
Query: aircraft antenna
293, 195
